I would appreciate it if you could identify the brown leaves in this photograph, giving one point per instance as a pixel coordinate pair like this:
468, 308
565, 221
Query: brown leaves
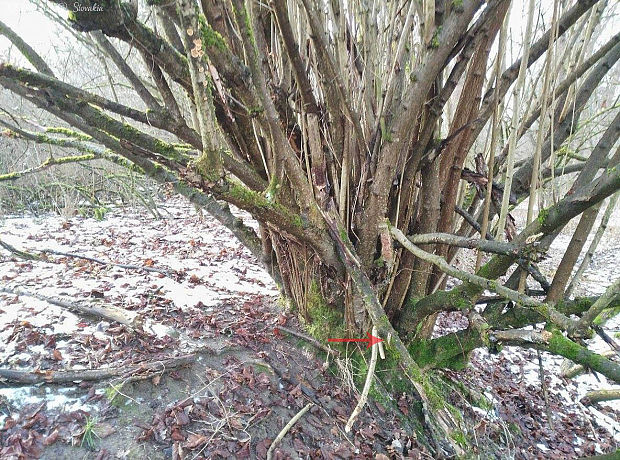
51, 438
195, 440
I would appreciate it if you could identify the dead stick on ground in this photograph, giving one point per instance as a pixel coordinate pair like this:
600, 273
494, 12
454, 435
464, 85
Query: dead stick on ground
32, 256
103, 262
21, 254
285, 430
109, 312
50, 376
308, 339
364, 396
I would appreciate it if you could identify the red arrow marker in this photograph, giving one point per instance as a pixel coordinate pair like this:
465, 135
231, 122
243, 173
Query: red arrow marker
371, 340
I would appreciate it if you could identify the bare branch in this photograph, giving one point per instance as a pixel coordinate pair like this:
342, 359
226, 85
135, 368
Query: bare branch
146, 369
126, 70
128, 318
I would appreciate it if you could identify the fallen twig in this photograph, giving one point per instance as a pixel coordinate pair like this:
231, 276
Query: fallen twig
285, 430
43, 252
50, 376
109, 312
21, 254
113, 264
364, 396
308, 339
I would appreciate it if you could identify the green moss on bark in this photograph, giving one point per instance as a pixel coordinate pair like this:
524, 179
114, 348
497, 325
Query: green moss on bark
560, 345
9, 176
210, 37
446, 352
68, 159
68, 132
325, 321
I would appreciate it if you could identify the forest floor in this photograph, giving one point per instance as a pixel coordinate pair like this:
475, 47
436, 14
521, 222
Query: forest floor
242, 380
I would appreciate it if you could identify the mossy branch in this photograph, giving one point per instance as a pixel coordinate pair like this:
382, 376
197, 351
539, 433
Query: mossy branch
547, 311
159, 119
563, 346
603, 302
597, 396
436, 413
90, 150
51, 161
19, 253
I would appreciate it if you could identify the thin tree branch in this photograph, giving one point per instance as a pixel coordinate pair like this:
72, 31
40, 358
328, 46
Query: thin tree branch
597, 308
364, 395
497, 247
127, 71
286, 429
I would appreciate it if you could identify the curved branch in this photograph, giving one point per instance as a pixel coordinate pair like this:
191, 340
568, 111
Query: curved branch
477, 280
497, 247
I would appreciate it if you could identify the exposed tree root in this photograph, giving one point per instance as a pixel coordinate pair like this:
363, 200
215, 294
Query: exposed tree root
21, 254
42, 255
143, 369
310, 340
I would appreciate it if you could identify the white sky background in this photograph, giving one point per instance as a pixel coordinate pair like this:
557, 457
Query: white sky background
23, 17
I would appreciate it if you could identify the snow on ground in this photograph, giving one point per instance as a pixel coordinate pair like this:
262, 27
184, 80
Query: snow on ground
211, 267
